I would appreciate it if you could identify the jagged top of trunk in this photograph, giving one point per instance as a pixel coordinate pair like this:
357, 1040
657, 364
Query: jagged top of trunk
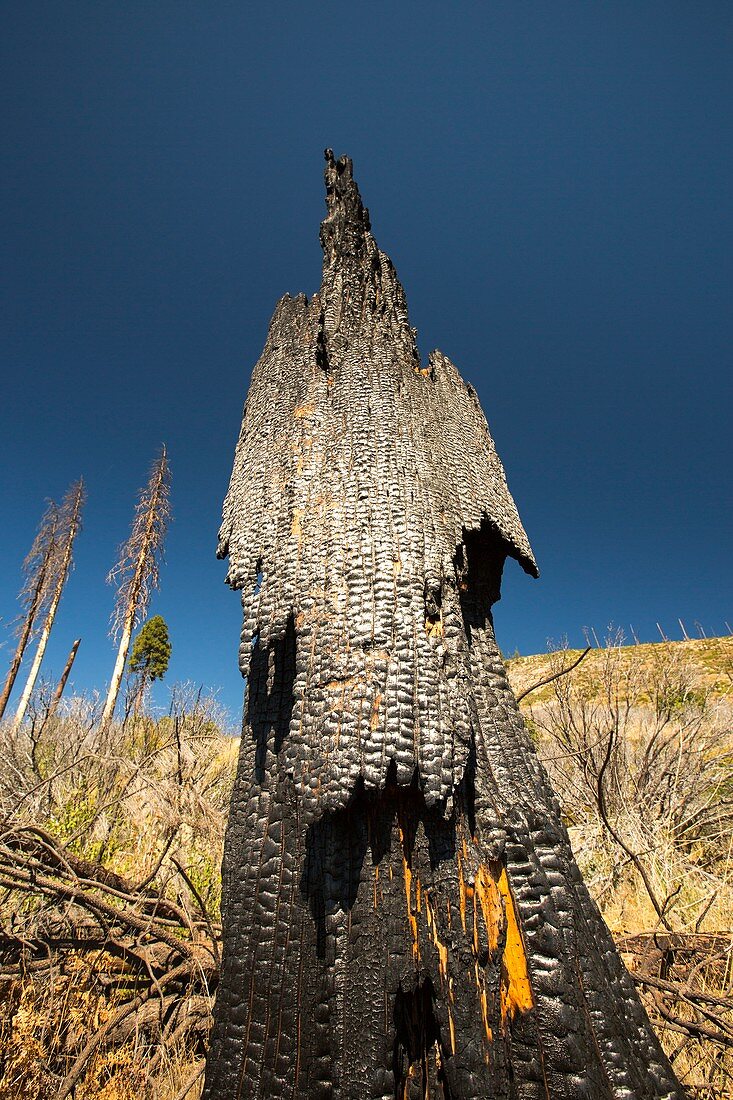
346, 226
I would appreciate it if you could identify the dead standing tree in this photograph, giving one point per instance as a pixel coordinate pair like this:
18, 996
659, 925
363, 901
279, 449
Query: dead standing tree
69, 525
402, 913
35, 592
138, 569
53, 707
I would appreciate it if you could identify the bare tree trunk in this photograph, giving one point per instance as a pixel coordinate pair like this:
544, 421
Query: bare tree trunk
35, 667
70, 519
71, 522
22, 642
38, 562
64, 677
119, 670
138, 565
139, 695
402, 914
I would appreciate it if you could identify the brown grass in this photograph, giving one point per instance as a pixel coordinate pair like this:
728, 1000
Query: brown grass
148, 802
638, 744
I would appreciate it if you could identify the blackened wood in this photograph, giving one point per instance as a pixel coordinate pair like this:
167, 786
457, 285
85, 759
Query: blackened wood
64, 677
402, 913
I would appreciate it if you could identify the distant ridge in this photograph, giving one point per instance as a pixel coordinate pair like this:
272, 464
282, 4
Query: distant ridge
710, 658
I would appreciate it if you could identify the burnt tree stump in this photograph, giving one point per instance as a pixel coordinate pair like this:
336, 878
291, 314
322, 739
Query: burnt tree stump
402, 913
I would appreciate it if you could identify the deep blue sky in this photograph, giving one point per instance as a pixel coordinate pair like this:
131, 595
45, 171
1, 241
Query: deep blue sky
553, 183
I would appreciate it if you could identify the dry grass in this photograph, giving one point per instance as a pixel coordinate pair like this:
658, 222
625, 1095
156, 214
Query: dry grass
146, 801
637, 741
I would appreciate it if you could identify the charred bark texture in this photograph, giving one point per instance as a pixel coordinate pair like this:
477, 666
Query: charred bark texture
403, 917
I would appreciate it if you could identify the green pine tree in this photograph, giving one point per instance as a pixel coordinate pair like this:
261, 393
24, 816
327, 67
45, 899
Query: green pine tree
151, 650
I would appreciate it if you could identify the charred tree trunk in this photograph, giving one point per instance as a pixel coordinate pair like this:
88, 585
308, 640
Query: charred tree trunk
62, 682
403, 917
24, 638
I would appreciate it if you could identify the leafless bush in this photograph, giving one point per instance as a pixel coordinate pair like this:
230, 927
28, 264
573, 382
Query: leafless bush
640, 750
110, 845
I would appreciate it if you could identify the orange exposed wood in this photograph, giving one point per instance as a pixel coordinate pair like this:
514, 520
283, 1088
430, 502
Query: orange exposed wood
461, 892
412, 919
439, 945
434, 626
485, 1016
452, 1029
516, 991
489, 898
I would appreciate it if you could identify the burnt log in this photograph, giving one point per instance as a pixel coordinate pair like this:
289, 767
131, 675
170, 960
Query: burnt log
402, 913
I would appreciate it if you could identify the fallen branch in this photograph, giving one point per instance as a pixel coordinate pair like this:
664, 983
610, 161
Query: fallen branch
695, 1029
125, 1010
681, 991
138, 944
190, 1082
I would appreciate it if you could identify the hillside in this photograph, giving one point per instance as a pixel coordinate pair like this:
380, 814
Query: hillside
710, 661
111, 847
